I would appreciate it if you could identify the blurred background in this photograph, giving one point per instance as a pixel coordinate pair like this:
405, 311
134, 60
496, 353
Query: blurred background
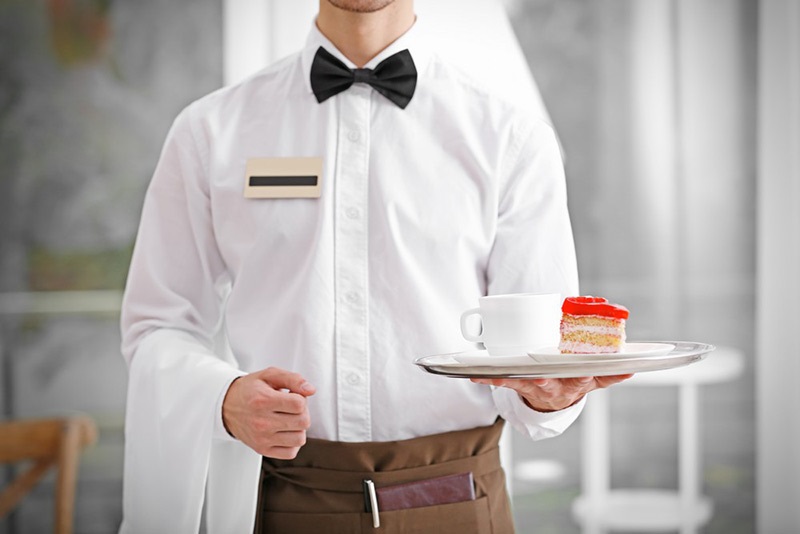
658, 105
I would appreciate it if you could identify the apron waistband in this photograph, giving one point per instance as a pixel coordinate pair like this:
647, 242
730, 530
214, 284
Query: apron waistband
342, 466
351, 481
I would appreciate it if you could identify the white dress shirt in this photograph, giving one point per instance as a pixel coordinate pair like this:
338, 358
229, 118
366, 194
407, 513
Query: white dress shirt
422, 211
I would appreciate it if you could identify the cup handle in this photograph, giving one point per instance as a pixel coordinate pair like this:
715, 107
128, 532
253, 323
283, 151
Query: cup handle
468, 336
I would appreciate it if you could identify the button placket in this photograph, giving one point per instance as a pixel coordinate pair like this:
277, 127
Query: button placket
351, 266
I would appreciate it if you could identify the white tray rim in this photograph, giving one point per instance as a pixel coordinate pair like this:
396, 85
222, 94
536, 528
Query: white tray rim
684, 353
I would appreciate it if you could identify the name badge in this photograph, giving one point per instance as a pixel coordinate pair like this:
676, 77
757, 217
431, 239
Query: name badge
283, 178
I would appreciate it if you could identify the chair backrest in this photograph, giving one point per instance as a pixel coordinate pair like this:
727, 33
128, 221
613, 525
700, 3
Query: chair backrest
47, 443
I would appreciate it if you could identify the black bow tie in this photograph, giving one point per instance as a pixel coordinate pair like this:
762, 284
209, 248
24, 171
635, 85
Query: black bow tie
395, 77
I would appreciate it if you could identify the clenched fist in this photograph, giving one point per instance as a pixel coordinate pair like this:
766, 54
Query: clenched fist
268, 412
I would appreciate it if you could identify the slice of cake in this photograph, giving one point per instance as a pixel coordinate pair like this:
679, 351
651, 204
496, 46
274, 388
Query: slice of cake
591, 325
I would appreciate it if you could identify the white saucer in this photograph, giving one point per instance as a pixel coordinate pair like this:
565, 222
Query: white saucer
553, 355
629, 350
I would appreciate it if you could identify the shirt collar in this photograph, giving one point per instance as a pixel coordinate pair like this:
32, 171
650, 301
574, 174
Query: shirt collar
413, 40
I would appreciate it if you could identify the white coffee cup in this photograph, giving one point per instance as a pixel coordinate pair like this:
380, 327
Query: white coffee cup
516, 323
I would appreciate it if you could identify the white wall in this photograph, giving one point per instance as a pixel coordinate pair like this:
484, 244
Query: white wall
778, 357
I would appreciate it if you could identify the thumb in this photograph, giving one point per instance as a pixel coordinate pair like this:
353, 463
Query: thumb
282, 379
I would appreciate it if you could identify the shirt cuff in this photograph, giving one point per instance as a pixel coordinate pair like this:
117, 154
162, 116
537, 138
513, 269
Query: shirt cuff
529, 422
220, 432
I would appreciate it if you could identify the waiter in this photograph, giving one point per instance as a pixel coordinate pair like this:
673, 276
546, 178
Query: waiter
332, 216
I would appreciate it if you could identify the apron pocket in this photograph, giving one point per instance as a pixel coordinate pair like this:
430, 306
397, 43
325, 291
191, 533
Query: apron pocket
468, 517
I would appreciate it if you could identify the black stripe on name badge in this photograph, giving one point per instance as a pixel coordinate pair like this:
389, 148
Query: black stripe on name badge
271, 181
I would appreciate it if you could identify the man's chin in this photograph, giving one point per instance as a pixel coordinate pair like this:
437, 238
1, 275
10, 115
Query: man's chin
360, 6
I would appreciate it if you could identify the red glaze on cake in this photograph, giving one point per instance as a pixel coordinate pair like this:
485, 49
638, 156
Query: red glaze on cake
592, 325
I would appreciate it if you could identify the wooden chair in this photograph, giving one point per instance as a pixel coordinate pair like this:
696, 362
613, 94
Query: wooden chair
47, 443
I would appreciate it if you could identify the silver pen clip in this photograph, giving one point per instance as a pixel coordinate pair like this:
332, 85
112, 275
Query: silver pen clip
373, 503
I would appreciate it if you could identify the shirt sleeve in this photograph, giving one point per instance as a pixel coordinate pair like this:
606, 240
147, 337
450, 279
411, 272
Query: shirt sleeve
177, 277
171, 315
533, 251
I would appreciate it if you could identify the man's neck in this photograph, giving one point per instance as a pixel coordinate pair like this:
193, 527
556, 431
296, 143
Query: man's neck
362, 36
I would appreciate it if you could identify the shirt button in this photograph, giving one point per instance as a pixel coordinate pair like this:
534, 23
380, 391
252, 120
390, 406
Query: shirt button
353, 135
353, 213
353, 379
352, 297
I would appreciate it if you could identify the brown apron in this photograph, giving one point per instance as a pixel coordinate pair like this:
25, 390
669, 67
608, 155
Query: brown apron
321, 491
